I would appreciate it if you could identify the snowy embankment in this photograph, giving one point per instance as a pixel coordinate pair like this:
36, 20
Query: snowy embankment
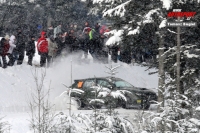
17, 82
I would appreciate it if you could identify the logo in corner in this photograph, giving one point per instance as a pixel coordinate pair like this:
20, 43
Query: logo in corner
176, 13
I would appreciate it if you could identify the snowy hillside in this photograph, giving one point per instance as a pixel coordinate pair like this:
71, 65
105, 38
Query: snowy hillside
17, 84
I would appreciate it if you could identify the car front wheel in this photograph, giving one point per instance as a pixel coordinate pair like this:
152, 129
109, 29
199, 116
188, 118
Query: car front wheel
145, 104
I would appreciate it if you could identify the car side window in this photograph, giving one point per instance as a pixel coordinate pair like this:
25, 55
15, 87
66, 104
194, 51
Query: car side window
120, 84
103, 83
89, 83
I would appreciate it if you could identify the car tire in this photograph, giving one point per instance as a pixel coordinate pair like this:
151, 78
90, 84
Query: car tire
94, 107
98, 106
125, 105
146, 106
145, 102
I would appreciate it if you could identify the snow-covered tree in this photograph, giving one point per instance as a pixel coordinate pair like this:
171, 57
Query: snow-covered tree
144, 19
4, 126
134, 23
181, 104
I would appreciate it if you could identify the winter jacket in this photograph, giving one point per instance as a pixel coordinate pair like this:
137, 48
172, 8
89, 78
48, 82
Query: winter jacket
30, 48
57, 30
20, 44
4, 47
42, 44
71, 39
93, 35
60, 44
52, 47
12, 44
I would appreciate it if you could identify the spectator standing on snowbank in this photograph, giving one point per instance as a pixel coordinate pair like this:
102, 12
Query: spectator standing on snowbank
42, 46
86, 40
52, 49
60, 44
30, 50
12, 43
57, 30
3, 51
50, 31
20, 46
71, 40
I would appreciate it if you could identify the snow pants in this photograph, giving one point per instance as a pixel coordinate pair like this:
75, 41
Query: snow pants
4, 61
43, 58
21, 52
30, 59
11, 60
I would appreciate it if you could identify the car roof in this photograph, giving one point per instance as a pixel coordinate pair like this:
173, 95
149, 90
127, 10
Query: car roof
108, 78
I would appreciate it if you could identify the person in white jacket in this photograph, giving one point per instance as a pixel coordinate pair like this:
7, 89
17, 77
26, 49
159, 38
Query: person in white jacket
10, 51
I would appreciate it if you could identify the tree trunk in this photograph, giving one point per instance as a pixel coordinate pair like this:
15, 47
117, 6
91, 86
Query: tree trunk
161, 75
178, 59
161, 80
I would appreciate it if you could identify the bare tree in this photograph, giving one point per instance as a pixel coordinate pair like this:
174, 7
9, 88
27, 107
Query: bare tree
42, 120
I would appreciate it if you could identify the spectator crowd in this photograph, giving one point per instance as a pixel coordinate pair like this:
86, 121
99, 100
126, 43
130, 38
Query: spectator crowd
53, 43
59, 41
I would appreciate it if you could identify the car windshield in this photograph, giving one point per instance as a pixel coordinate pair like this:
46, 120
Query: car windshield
122, 84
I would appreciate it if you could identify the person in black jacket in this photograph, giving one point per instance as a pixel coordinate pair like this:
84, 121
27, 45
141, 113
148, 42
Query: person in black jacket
71, 40
30, 50
20, 46
60, 44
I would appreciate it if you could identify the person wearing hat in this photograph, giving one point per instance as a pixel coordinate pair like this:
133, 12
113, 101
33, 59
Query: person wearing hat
86, 40
6, 45
42, 46
30, 50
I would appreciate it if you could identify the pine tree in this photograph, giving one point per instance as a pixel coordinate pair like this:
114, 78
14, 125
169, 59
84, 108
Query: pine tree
133, 18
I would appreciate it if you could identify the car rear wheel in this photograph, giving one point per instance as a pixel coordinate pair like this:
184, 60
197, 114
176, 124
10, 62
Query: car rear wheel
125, 105
146, 106
98, 106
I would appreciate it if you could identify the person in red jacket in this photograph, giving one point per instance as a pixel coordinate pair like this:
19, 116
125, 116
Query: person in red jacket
42, 46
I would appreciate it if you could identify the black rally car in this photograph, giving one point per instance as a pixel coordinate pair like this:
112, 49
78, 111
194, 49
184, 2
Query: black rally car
136, 97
